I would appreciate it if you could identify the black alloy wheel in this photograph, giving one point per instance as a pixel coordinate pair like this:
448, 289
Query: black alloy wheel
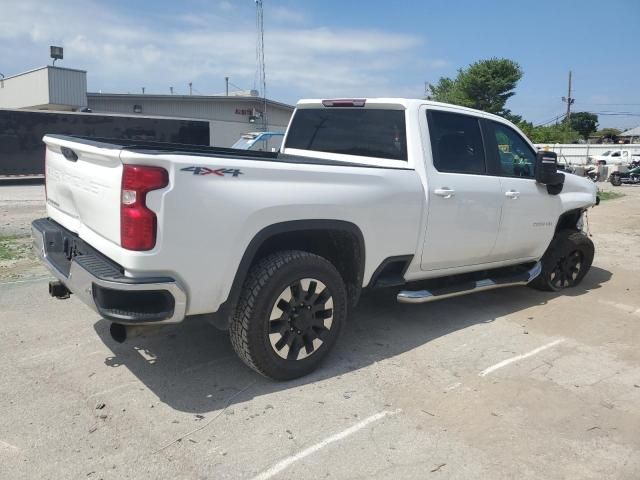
567, 270
301, 319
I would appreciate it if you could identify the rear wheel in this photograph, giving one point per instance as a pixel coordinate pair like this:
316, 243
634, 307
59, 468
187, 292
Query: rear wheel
615, 180
566, 261
290, 314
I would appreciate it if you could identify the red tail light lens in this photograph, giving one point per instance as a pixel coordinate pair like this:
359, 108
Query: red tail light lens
345, 102
138, 224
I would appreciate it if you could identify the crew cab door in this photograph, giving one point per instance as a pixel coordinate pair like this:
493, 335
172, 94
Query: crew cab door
464, 202
529, 212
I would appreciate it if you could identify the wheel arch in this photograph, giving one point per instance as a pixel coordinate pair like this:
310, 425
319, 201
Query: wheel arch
569, 220
341, 242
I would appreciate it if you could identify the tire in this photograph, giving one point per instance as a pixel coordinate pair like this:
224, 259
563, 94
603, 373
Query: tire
615, 180
566, 261
281, 311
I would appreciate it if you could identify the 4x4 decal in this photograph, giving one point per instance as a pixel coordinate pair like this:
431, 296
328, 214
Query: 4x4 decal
220, 172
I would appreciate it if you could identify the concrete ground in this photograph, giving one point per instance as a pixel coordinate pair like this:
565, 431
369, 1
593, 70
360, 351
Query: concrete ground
511, 383
21, 201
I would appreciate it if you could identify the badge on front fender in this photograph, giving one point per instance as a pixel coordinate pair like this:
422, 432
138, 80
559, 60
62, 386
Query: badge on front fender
220, 172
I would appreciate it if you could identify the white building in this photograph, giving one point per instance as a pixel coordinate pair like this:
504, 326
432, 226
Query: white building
45, 88
65, 89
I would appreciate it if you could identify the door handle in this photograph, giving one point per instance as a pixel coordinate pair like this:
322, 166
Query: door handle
444, 192
513, 194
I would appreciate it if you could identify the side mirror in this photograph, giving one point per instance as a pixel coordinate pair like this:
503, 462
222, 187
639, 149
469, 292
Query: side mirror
547, 172
547, 169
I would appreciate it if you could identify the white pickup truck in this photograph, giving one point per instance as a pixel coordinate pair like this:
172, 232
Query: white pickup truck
615, 157
277, 247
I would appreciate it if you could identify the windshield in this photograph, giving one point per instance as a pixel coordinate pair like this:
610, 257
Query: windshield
243, 143
268, 142
607, 153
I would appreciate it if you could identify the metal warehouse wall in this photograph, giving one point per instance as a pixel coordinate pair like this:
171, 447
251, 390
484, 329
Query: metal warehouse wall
67, 87
229, 116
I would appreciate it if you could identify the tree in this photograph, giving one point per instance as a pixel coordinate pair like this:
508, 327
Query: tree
612, 132
609, 132
584, 123
484, 85
556, 133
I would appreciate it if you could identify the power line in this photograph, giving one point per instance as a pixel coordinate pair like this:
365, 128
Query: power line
553, 120
236, 86
621, 114
614, 104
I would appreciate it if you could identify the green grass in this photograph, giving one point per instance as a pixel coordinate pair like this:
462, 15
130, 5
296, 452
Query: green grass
609, 195
13, 247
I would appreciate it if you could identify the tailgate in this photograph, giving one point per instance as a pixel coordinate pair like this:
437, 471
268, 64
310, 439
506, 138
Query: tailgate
83, 180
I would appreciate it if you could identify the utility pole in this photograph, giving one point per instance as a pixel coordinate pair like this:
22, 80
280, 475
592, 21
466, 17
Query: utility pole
190, 88
262, 77
569, 101
226, 81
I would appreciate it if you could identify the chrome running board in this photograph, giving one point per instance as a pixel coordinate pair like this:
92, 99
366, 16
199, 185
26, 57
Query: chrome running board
424, 296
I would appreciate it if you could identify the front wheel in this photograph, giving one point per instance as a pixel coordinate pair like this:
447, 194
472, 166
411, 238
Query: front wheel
290, 313
566, 261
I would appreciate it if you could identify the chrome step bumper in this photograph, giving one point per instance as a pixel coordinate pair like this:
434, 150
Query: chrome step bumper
424, 296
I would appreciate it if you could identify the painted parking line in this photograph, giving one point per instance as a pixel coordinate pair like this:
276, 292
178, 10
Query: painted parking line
287, 462
517, 358
27, 280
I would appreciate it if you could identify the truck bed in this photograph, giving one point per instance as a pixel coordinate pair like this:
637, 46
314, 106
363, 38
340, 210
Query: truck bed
204, 151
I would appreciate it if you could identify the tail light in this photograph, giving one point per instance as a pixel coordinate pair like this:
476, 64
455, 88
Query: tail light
138, 224
345, 102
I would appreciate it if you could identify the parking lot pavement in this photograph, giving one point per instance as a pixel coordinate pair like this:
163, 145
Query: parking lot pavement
511, 383
20, 203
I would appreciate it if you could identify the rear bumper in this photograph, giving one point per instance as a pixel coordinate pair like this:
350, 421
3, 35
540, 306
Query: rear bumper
101, 283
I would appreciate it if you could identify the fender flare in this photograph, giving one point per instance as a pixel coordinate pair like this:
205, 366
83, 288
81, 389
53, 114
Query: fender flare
221, 316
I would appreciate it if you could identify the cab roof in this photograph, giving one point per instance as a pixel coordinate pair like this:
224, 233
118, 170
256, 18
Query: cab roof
390, 103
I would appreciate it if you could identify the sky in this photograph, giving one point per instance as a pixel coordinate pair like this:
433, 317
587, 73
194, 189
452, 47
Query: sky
331, 48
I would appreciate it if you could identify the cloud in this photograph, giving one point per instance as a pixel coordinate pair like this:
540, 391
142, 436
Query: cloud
123, 51
286, 15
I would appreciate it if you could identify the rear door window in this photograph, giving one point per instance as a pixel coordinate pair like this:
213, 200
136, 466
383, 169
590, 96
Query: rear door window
456, 142
367, 132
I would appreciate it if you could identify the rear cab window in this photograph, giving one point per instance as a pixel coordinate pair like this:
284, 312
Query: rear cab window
366, 132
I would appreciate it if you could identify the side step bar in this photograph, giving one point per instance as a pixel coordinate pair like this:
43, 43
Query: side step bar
424, 296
